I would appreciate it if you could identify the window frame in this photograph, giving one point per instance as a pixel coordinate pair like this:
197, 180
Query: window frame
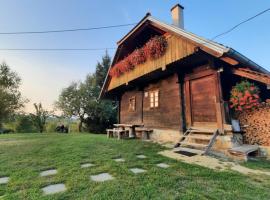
154, 99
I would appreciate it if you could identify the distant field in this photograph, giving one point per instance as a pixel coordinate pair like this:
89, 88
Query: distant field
24, 156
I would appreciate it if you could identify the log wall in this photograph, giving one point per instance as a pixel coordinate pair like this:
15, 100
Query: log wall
127, 116
168, 114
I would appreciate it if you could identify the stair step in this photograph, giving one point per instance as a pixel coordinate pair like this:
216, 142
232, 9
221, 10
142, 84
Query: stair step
198, 137
194, 144
195, 151
206, 132
206, 129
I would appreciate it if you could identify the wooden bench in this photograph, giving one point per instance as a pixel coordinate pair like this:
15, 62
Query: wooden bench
145, 132
120, 133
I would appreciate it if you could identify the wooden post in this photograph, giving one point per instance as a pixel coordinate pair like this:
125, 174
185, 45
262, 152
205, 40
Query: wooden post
219, 104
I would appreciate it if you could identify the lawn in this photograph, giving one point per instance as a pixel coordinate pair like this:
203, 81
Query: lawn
23, 157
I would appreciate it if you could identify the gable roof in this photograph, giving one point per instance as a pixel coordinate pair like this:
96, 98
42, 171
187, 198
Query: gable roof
211, 47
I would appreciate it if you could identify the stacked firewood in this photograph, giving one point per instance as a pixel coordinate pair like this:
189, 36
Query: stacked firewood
258, 125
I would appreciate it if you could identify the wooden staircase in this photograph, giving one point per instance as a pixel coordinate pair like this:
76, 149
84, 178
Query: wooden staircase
197, 140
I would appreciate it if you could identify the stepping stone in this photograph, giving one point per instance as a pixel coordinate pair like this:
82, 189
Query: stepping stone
137, 170
48, 172
101, 177
163, 165
4, 180
141, 156
52, 189
86, 165
119, 160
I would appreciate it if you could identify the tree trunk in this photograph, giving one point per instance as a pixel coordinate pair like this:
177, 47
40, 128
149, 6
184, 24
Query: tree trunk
80, 126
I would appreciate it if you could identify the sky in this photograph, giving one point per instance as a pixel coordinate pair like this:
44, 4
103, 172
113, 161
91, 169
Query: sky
44, 74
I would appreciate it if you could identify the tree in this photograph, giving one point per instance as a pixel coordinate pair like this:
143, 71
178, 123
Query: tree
71, 102
81, 100
102, 69
100, 113
40, 117
10, 97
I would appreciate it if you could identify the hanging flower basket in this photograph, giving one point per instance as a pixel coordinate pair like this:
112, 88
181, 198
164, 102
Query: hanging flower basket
244, 96
153, 49
137, 57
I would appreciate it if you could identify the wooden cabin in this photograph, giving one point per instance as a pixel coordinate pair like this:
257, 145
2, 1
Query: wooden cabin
188, 86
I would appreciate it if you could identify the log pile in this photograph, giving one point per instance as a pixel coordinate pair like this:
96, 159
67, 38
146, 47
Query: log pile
258, 125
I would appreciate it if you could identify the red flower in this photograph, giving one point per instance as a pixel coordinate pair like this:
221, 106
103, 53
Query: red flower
155, 47
244, 96
137, 57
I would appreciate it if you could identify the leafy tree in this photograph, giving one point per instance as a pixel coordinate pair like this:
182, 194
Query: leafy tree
100, 113
10, 96
40, 117
71, 102
81, 100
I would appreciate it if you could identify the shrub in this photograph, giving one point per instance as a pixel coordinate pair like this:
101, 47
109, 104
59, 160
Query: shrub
25, 125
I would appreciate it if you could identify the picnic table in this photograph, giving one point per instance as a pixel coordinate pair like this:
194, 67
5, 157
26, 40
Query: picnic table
130, 127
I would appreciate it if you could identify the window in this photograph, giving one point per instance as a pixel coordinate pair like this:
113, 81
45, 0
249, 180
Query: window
154, 99
132, 104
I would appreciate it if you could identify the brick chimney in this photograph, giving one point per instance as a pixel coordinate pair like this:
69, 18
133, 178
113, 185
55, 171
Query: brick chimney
178, 16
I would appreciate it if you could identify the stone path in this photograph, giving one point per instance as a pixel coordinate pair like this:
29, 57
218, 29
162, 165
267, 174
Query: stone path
60, 187
137, 170
48, 172
163, 165
4, 180
212, 163
101, 177
141, 156
86, 165
52, 189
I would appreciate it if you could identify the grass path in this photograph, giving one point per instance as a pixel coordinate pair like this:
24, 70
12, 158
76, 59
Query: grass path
23, 157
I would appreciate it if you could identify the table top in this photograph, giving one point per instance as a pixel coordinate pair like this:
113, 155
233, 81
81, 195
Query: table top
128, 125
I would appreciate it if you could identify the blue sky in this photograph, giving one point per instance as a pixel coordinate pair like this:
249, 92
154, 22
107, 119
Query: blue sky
44, 74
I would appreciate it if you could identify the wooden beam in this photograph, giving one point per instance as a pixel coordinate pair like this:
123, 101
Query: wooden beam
229, 60
253, 75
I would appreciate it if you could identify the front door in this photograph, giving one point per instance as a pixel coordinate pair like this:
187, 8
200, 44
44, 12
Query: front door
202, 100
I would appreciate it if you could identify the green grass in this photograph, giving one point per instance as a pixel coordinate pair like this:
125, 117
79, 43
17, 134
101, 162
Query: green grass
22, 157
260, 164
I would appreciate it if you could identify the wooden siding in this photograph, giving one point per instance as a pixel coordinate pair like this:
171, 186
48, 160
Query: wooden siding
127, 116
177, 48
168, 114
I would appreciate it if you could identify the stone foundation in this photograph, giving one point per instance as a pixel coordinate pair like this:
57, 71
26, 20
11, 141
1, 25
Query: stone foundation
166, 136
265, 151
